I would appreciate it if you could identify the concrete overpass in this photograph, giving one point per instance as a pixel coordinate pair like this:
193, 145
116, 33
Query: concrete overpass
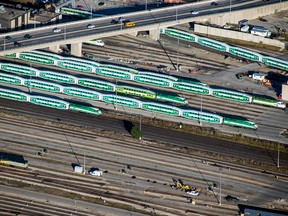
75, 33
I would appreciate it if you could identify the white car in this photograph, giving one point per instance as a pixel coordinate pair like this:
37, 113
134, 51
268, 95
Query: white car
121, 19
56, 30
90, 26
95, 172
194, 12
193, 193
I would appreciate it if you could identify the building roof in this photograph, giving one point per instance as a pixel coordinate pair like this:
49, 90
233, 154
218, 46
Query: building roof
8, 14
45, 17
259, 28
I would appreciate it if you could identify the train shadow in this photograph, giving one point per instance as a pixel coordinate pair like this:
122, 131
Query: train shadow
14, 160
252, 210
137, 7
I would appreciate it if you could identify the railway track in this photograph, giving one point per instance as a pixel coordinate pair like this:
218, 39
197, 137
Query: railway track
211, 105
153, 53
113, 156
49, 128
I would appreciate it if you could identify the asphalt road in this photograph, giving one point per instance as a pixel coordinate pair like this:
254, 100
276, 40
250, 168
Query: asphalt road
149, 132
42, 37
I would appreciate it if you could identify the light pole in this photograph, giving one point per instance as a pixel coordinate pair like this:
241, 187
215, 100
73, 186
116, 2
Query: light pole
220, 186
91, 5
278, 161
84, 164
30, 81
176, 15
4, 43
140, 127
200, 116
177, 66
230, 13
146, 6
64, 32
115, 101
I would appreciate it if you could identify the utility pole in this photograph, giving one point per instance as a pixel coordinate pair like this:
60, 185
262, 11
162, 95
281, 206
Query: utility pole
220, 186
30, 80
115, 103
200, 122
84, 165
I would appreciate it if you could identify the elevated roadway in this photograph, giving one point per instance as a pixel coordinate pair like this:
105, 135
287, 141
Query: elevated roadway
75, 33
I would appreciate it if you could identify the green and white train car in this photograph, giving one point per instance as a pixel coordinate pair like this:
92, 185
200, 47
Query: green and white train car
161, 108
85, 109
269, 102
138, 92
232, 95
171, 98
240, 123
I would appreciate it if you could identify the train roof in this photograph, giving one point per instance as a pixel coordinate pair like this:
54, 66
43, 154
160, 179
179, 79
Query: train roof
245, 50
163, 76
82, 61
135, 88
46, 54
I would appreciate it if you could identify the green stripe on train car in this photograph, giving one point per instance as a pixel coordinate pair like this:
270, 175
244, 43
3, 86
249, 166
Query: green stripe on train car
85, 109
240, 123
96, 84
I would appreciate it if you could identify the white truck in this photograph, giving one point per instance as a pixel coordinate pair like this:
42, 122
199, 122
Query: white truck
95, 172
257, 76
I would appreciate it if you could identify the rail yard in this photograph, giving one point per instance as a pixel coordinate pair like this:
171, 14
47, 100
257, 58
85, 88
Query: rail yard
145, 186
59, 113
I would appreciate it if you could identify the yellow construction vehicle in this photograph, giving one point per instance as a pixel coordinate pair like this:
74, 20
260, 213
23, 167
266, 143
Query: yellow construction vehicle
180, 185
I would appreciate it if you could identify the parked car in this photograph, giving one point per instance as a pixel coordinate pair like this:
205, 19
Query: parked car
262, 19
230, 198
27, 36
90, 26
8, 38
121, 19
193, 192
114, 21
194, 12
239, 76
56, 30
214, 3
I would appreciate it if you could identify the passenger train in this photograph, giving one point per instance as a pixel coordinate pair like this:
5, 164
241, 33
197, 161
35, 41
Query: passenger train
149, 78
85, 82
47, 101
119, 100
223, 47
